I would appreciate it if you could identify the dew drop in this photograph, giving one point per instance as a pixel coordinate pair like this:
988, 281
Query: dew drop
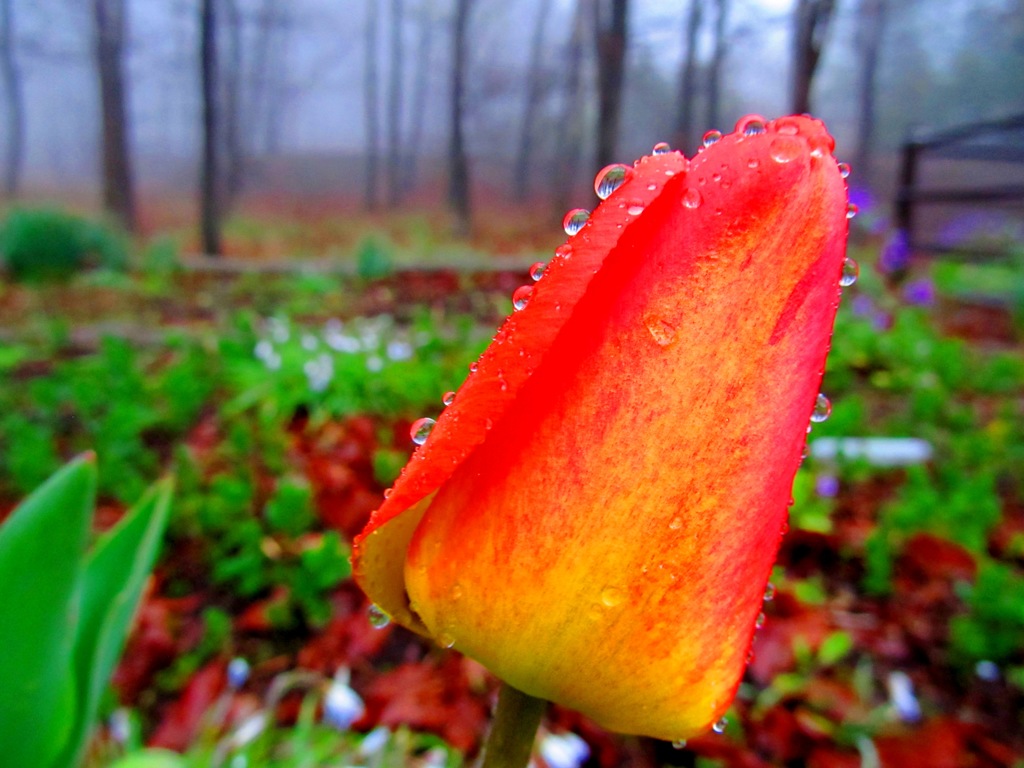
676, 524
563, 251
753, 163
785, 149
388, 492
759, 621
456, 592
787, 126
679, 744
692, 198
661, 148
822, 409
821, 145
651, 187
377, 617
769, 592
844, 170
445, 640
851, 210
449, 398
661, 330
712, 137
521, 297
537, 271
851, 271
574, 220
474, 367
611, 596
750, 125
610, 178
420, 430
720, 726
635, 208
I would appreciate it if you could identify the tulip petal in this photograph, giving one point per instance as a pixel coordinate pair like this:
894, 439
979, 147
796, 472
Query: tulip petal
519, 347
606, 543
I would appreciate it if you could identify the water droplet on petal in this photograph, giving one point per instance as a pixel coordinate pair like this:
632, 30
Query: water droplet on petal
753, 163
378, 618
821, 145
611, 596
661, 148
610, 178
474, 367
456, 592
420, 430
679, 744
692, 198
711, 137
449, 398
574, 220
537, 271
388, 492
844, 170
521, 297
676, 524
446, 640
759, 621
661, 330
769, 592
720, 726
851, 271
635, 208
784, 149
750, 125
564, 251
851, 210
822, 409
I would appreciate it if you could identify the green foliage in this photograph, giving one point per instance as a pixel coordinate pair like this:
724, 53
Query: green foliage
374, 259
994, 627
48, 243
64, 626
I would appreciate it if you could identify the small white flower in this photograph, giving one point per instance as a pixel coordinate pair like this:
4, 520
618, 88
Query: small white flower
374, 741
278, 330
120, 725
309, 342
249, 729
564, 750
374, 364
901, 694
319, 371
264, 349
399, 349
342, 705
238, 672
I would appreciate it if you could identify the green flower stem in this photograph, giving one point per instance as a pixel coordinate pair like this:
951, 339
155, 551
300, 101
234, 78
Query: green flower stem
510, 741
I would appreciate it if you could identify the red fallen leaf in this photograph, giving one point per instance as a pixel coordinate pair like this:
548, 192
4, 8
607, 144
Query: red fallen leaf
156, 639
833, 757
929, 557
348, 639
257, 616
181, 721
430, 697
939, 743
612, 479
834, 699
773, 645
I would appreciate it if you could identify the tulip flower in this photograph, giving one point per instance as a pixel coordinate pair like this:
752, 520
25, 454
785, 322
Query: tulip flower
595, 515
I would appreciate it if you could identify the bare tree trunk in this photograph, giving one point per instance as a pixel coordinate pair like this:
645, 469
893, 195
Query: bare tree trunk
419, 91
570, 138
685, 138
610, 37
394, 149
370, 105
458, 163
210, 170
717, 63
534, 78
811, 21
14, 99
233, 153
871, 21
118, 188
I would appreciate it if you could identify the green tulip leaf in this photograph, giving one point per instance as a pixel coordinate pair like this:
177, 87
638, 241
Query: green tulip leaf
112, 584
42, 552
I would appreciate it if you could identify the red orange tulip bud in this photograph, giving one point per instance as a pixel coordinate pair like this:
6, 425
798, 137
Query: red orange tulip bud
595, 515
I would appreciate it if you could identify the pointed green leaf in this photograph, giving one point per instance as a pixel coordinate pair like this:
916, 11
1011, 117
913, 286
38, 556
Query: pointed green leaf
42, 551
115, 574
